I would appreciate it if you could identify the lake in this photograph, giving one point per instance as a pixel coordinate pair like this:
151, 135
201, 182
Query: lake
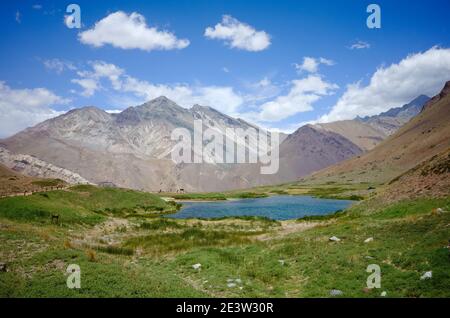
282, 207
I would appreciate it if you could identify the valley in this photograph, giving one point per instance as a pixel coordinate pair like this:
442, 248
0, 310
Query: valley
125, 245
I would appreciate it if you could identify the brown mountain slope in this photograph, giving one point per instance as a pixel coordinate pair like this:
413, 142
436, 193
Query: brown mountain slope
430, 178
361, 134
426, 135
12, 182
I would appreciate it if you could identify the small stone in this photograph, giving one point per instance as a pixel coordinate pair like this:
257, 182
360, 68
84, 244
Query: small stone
281, 261
197, 266
238, 280
427, 275
336, 292
383, 294
231, 285
334, 239
370, 239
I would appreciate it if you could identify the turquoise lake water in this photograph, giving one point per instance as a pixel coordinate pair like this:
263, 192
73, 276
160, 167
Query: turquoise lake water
283, 207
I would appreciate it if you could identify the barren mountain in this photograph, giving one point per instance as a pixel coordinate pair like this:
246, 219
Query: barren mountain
311, 148
368, 132
34, 167
132, 149
425, 136
430, 178
390, 121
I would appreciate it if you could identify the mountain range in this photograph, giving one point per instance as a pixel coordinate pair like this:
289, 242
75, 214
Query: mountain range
409, 149
132, 149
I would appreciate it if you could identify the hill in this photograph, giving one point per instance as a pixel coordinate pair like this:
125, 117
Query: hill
425, 136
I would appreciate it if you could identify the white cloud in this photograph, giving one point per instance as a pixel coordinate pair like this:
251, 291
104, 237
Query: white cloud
36, 6
225, 69
58, 65
395, 85
311, 64
22, 108
130, 32
89, 85
238, 35
359, 45
221, 97
300, 98
18, 17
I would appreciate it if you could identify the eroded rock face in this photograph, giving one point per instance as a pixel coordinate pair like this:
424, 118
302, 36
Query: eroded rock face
34, 167
133, 149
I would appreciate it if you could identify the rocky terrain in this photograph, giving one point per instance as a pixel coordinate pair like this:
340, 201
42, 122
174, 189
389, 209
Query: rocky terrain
368, 132
133, 148
426, 135
33, 167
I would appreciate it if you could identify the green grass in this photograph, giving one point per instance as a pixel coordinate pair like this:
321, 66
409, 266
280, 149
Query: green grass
218, 196
79, 204
154, 257
48, 182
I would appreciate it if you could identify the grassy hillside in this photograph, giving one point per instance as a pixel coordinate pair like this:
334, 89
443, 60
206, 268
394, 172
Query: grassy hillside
127, 254
82, 204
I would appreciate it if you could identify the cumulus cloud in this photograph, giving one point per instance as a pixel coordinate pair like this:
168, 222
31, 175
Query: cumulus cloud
359, 45
395, 85
311, 64
130, 31
58, 65
238, 35
300, 98
223, 98
22, 108
89, 85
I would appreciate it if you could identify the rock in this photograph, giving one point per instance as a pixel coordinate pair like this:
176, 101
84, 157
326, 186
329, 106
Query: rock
427, 275
370, 239
3, 267
336, 292
281, 261
197, 266
334, 239
238, 280
383, 294
231, 285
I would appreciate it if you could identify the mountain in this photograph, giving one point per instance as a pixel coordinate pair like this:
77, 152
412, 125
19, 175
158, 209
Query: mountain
430, 178
361, 134
311, 148
368, 132
390, 121
424, 136
34, 167
132, 149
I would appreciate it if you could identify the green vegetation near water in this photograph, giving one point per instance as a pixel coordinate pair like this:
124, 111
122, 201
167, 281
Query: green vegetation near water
239, 257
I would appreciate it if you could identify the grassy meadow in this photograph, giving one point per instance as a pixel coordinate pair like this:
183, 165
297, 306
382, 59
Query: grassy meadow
125, 247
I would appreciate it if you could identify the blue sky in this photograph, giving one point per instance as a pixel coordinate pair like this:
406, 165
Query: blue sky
262, 77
